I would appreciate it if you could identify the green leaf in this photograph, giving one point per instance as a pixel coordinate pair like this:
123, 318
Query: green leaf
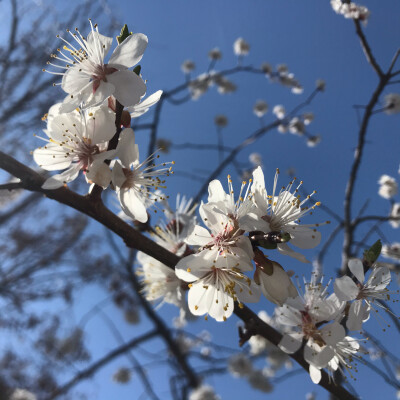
124, 34
372, 254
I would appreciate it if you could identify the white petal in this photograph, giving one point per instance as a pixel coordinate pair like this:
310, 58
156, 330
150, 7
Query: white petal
130, 51
127, 150
132, 205
247, 293
199, 236
288, 315
379, 278
51, 158
357, 269
117, 175
315, 374
104, 90
71, 102
358, 313
129, 87
99, 173
216, 192
276, 287
74, 80
96, 40
195, 266
316, 355
287, 251
333, 333
59, 124
303, 237
346, 289
291, 342
100, 127
56, 181
139, 109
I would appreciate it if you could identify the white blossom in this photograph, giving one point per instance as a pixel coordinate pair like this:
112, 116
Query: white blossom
260, 108
224, 85
160, 282
133, 180
320, 85
240, 365
388, 187
122, 375
281, 212
215, 54
141, 108
204, 392
351, 10
89, 79
392, 103
216, 271
241, 47
296, 126
221, 120
363, 294
312, 141
308, 118
200, 85
132, 316
22, 394
391, 251
304, 314
255, 159
259, 380
266, 68
279, 111
188, 66
282, 128
77, 141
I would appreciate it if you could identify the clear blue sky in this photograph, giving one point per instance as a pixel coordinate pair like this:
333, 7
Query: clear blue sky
315, 43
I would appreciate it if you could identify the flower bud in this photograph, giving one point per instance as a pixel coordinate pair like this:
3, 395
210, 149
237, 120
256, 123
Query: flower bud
273, 279
221, 121
320, 85
188, 66
260, 108
215, 54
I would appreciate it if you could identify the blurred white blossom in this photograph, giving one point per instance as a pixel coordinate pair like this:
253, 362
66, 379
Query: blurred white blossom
215, 54
241, 47
221, 120
388, 187
392, 103
260, 108
188, 66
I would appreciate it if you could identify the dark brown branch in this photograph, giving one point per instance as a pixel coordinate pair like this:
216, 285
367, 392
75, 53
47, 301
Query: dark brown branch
11, 186
349, 228
367, 49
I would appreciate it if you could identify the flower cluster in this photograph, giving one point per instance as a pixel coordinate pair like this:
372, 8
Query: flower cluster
320, 319
351, 10
84, 133
217, 272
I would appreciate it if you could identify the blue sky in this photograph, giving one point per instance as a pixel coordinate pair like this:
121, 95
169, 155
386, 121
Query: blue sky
315, 43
